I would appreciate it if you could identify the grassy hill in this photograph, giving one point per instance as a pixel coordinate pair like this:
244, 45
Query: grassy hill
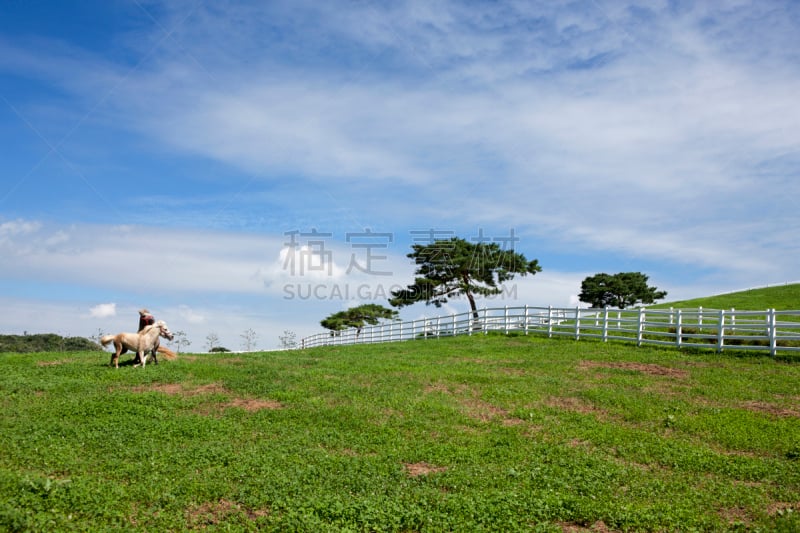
490, 433
782, 297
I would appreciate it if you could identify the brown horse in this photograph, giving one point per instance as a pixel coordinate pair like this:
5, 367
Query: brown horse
144, 342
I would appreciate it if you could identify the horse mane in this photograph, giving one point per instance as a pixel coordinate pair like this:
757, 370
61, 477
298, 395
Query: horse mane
158, 324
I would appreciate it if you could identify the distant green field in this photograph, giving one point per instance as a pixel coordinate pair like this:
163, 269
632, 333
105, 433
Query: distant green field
480, 433
782, 297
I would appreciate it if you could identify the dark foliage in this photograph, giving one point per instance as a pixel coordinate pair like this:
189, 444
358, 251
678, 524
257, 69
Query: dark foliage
618, 290
358, 317
451, 268
46, 342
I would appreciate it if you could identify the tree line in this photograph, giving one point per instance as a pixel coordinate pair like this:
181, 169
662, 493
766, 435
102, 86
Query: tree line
46, 342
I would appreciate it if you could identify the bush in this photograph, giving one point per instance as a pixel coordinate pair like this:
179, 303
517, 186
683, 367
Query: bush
218, 349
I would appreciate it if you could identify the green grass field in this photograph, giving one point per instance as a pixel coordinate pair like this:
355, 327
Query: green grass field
481, 433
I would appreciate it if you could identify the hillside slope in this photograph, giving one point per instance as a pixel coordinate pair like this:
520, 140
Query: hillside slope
471, 433
782, 297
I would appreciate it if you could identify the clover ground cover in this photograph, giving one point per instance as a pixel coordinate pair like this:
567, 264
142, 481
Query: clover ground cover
460, 434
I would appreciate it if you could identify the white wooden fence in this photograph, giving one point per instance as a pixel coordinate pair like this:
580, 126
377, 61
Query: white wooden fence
771, 331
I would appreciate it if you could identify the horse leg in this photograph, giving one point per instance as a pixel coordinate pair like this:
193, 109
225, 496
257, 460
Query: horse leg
135, 355
115, 357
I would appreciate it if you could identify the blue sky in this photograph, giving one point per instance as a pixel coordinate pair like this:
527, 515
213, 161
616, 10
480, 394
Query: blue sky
170, 155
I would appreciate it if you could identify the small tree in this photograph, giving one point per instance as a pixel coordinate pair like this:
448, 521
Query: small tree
212, 340
288, 341
249, 337
180, 340
619, 290
358, 317
455, 267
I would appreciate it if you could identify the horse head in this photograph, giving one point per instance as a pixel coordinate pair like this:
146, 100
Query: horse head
164, 330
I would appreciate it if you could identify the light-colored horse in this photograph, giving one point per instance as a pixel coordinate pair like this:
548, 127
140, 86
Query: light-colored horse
144, 342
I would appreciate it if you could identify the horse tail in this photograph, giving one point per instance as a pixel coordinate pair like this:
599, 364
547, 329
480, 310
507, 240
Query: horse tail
105, 340
166, 352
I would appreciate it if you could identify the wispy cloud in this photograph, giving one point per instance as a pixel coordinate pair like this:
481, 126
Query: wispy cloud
663, 134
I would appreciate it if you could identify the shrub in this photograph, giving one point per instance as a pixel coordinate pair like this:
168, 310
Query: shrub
218, 349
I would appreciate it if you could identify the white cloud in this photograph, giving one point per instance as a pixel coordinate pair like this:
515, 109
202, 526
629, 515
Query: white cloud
103, 310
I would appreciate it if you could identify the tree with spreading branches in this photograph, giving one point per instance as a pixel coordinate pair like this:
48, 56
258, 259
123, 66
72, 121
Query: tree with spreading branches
357, 317
454, 267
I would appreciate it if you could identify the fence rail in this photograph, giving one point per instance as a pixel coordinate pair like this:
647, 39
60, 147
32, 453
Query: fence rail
717, 329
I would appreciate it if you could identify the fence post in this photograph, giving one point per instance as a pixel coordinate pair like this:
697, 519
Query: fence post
700, 317
773, 334
438, 326
485, 321
577, 323
605, 324
505, 319
733, 320
678, 330
526, 319
549, 321
721, 331
640, 327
